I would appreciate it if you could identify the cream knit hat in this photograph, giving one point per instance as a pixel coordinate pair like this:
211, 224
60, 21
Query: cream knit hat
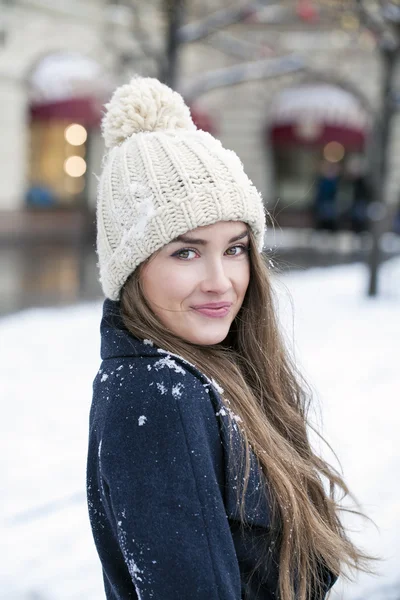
162, 177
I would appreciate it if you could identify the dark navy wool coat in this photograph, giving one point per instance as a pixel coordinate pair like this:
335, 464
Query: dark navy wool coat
162, 482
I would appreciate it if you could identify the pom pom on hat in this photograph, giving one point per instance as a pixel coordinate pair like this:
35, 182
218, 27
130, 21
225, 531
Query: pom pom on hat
143, 105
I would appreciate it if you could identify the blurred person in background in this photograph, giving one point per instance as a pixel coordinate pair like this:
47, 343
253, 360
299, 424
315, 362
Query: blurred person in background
39, 196
325, 201
396, 220
201, 480
360, 194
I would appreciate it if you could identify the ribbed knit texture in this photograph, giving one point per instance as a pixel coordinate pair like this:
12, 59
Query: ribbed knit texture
157, 185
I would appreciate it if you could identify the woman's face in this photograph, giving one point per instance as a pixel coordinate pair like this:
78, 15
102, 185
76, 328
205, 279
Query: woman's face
196, 284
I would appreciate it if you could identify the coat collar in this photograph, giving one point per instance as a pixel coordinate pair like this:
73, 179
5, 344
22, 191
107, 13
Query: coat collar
116, 341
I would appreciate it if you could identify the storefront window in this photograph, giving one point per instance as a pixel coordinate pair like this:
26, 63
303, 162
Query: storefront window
295, 171
57, 165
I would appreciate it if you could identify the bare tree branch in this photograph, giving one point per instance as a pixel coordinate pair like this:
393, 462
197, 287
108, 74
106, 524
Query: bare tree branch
251, 71
210, 26
374, 23
391, 11
242, 49
193, 32
47, 7
142, 36
268, 69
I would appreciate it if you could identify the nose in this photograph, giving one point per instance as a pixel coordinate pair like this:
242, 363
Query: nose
215, 278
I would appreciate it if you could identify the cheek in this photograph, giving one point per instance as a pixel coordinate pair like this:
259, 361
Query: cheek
165, 285
242, 278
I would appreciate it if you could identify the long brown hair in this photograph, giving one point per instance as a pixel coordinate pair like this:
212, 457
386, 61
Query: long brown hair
270, 397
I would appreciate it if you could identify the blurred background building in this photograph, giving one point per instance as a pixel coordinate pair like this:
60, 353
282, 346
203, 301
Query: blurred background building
293, 87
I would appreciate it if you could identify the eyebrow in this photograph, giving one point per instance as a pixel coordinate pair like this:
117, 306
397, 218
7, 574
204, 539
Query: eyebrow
197, 241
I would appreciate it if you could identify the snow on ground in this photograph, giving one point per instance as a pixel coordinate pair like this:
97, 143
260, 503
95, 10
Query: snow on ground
349, 348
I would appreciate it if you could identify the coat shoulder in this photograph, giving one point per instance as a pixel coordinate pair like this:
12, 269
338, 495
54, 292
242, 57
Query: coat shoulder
166, 373
163, 382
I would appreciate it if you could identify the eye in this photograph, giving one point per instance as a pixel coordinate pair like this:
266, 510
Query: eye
236, 250
185, 254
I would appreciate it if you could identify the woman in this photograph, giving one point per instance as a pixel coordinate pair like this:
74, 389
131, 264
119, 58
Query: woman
201, 480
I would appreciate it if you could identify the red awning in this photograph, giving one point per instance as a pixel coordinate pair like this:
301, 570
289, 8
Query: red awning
290, 135
203, 121
87, 111
318, 114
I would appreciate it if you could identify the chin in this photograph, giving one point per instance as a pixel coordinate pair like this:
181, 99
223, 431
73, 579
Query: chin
207, 339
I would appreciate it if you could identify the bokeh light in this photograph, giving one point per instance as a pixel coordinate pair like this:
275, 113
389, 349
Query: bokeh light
334, 152
75, 134
75, 166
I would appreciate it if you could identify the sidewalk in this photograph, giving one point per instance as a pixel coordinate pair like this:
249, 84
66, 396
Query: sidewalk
30, 225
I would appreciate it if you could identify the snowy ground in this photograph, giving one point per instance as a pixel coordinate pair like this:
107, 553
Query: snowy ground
349, 347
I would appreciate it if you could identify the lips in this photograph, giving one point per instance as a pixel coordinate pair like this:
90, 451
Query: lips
214, 310
213, 305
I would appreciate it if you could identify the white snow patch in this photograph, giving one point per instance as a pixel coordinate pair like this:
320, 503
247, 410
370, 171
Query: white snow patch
134, 569
186, 362
170, 364
177, 390
145, 211
104, 377
224, 411
235, 417
142, 420
148, 342
161, 387
138, 593
217, 386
